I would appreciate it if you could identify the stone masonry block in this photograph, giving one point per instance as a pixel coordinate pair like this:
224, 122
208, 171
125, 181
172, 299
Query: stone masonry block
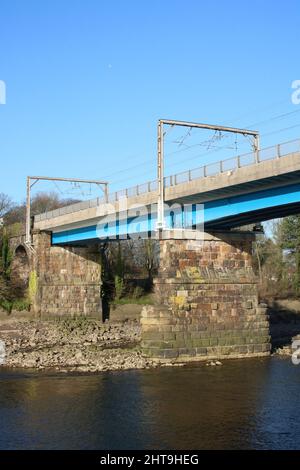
210, 295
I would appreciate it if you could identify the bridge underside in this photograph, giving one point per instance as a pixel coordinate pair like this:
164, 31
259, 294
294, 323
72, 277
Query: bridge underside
221, 214
254, 217
253, 207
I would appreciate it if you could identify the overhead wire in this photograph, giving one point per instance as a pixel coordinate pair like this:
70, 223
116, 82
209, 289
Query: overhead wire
202, 143
214, 150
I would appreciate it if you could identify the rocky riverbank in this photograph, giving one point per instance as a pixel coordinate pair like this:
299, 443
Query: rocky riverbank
284, 326
87, 345
287, 350
72, 345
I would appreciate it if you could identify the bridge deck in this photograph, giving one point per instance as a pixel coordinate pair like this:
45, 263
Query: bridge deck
218, 186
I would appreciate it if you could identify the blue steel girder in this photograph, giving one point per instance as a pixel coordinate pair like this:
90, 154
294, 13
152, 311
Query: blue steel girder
224, 213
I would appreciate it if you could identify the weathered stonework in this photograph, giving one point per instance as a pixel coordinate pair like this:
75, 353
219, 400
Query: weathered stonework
207, 303
68, 278
206, 294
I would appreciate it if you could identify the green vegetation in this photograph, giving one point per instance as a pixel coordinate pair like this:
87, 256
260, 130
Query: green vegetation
19, 305
143, 300
127, 272
6, 305
290, 241
277, 259
32, 287
6, 255
119, 288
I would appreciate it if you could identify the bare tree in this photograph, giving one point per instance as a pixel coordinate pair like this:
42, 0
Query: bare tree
41, 202
5, 204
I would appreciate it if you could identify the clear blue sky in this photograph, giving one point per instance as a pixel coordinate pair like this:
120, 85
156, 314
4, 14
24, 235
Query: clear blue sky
87, 80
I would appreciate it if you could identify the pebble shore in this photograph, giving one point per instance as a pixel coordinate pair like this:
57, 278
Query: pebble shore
80, 344
72, 345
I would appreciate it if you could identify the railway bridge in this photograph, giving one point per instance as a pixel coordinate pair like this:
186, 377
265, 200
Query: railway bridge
206, 293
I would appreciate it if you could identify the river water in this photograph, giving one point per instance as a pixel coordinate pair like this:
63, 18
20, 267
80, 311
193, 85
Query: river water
245, 404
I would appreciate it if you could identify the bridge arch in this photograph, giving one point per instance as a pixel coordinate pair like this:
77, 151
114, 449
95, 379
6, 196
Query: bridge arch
20, 267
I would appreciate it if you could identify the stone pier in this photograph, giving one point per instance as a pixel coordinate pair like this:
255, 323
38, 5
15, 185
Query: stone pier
64, 280
206, 301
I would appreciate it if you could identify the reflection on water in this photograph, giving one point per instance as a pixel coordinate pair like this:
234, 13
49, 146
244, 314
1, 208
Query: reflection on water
244, 404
